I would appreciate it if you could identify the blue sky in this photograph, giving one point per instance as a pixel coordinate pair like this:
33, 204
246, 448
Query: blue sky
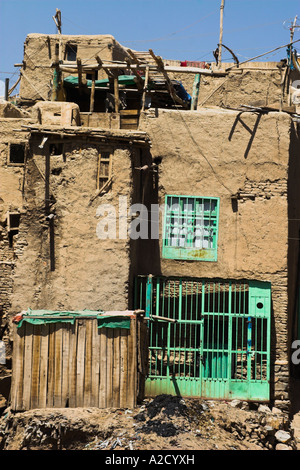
174, 29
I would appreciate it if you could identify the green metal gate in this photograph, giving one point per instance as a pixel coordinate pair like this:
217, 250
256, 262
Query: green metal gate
207, 338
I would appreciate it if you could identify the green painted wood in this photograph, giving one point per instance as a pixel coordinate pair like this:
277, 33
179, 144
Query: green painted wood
219, 346
191, 228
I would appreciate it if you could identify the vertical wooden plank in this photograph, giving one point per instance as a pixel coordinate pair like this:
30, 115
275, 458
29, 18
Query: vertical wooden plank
50, 394
95, 364
145, 88
27, 366
58, 366
123, 367
103, 368
80, 361
92, 99
132, 365
35, 378
116, 367
65, 364
109, 365
42, 403
17, 382
116, 93
88, 364
73, 364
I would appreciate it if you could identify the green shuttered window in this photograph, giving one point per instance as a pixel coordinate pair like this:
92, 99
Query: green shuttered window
191, 228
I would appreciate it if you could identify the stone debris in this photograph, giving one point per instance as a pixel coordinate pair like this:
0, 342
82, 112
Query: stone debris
165, 422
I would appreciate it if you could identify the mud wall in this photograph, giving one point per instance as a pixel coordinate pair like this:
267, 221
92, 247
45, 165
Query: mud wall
11, 199
218, 153
90, 273
39, 54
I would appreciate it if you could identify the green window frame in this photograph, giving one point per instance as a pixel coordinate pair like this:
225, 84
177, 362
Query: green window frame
191, 226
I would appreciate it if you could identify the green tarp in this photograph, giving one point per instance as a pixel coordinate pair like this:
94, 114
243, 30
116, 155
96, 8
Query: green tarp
122, 79
43, 317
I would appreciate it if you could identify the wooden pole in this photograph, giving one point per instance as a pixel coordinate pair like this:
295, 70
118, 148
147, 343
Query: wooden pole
6, 89
116, 93
221, 33
195, 95
293, 29
261, 55
145, 88
92, 101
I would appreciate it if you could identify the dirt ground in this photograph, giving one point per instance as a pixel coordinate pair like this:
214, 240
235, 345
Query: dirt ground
163, 423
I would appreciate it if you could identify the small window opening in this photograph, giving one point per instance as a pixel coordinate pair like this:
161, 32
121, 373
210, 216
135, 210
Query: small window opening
13, 222
17, 154
71, 52
104, 170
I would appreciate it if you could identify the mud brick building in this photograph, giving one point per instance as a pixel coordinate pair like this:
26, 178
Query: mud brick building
212, 158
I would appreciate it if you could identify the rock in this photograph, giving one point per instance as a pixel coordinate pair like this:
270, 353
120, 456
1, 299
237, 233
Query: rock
264, 409
236, 403
276, 410
282, 447
204, 406
283, 436
270, 431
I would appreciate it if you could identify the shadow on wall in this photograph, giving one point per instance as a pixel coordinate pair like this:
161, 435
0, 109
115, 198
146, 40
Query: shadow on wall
252, 132
145, 252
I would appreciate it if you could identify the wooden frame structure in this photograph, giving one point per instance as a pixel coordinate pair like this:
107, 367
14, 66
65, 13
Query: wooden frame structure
78, 364
147, 62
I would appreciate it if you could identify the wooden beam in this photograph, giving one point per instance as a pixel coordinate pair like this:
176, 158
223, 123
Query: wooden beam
92, 100
145, 88
195, 95
221, 33
160, 66
139, 80
100, 65
79, 68
71, 68
116, 93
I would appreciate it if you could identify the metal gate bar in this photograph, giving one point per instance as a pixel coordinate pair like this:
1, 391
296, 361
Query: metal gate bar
219, 345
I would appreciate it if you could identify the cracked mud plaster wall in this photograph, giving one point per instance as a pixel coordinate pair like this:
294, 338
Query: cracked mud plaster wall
243, 87
11, 179
90, 273
11, 199
39, 53
210, 153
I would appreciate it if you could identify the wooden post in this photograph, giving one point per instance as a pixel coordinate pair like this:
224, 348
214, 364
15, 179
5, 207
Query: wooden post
221, 33
293, 29
145, 88
92, 99
116, 93
79, 74
196, 87
6, 89
47, 183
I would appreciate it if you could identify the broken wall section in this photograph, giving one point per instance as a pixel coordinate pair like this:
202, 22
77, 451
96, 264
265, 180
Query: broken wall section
40, 53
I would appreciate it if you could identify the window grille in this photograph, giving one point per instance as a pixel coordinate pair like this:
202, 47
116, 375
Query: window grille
191, 228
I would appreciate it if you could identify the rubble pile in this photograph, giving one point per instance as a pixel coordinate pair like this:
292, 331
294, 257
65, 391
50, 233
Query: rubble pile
162, 423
